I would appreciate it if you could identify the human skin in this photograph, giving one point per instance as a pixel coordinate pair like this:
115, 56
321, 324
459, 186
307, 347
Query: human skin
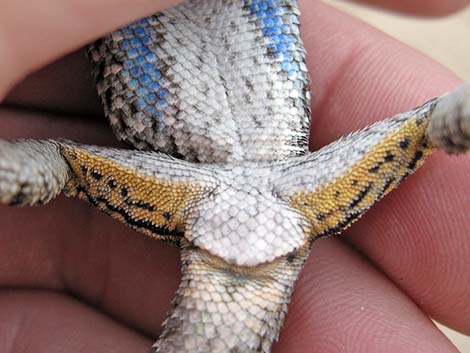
74, 280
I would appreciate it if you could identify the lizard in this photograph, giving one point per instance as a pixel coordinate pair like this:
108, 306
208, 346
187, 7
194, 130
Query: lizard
236, 188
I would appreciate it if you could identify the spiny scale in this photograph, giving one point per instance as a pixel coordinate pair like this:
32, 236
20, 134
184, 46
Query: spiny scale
225, 82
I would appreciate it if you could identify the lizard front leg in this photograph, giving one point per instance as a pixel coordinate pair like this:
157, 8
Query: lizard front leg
150, 192
234, 298
336, 185
31, 172
231, 298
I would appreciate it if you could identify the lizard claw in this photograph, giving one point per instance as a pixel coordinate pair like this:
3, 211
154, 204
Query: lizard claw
449, 127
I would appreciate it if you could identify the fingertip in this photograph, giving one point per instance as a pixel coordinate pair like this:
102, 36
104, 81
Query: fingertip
361, 75
342, 304
33, 34
46, 321
417, 235
419, 7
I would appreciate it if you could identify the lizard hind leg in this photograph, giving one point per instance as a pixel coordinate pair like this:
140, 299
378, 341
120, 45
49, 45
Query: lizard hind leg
449, 126
31, 172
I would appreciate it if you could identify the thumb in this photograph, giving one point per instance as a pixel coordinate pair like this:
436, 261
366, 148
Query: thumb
33, 33
420, 7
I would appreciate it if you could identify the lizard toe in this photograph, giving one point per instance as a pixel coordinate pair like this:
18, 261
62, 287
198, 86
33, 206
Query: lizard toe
449, 127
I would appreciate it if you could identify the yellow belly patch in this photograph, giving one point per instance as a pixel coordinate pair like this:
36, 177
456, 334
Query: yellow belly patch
152, 206
334, 206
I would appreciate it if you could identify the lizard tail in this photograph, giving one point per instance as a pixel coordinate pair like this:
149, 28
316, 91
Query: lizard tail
221, 309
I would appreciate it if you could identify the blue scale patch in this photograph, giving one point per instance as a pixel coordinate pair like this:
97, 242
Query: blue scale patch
279, 29
142, 69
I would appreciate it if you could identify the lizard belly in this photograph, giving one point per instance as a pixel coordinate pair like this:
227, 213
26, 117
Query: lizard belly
209, 81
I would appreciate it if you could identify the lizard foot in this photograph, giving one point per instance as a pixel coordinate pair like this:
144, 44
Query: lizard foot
31, 172
449, 127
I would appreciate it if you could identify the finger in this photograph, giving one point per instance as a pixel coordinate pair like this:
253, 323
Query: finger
66, 84
419, 234
419, 7
98, 223
25, 123
36, 32
336, 288
35, 321
69, 246
63, 87
342, 304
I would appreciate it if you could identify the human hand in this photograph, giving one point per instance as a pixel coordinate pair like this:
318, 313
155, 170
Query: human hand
79, 281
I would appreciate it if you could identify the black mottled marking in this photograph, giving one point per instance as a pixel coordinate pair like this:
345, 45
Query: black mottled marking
350, 218
270, 53
133, 108
420, 122
205, 89
290, 258
140, 204
404, 143
144, 224
100, 67
418, 155
96, 175
233, 26
233, 57
389, 157
404, 176
384, 188
413, 163
81, 190
256, 120
98, 43
112, 183
362, 194
167, 216
108, 97
200, 59
84, 169
337, 193
247, 98
321, 217
129, 219
19, 198
354, 182
120, 57
249, 84
374, 169
388, 183
124, 191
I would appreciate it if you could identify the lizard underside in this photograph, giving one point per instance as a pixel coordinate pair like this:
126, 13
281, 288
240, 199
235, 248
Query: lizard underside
215, 97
